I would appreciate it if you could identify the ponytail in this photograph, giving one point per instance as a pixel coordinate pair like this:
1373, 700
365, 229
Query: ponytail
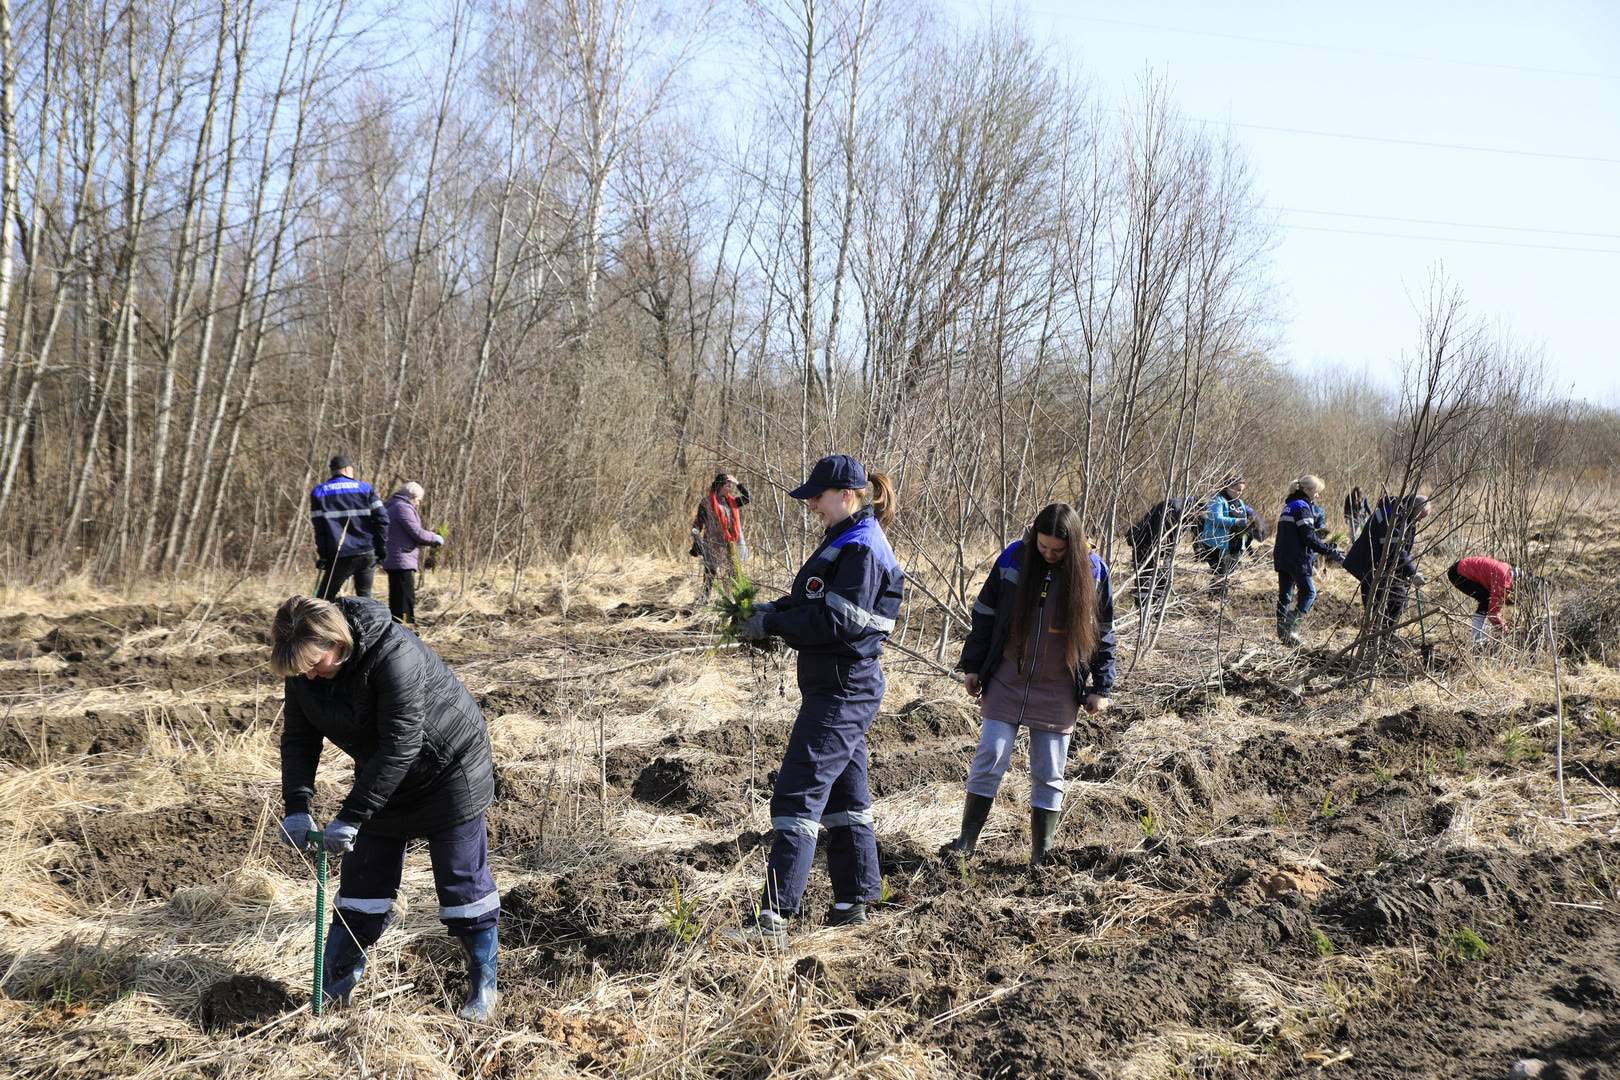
882, 496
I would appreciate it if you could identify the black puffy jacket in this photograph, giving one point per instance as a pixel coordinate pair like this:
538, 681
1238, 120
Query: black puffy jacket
419, 743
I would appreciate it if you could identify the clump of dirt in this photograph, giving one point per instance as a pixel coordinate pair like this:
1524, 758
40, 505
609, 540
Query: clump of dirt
243, 1001
533, 698
153, 853
1428, 727
682, 785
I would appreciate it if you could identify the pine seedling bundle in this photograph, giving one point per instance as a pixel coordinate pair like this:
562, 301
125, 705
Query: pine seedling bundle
431, 557
734, 600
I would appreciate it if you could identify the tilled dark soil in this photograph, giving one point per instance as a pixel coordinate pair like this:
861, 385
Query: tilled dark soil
1323, 863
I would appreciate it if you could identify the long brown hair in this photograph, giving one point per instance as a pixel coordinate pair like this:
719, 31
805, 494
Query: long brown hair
1077, 613
882, 496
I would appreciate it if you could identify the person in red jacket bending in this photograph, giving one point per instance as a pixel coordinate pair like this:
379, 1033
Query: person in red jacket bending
1488, 581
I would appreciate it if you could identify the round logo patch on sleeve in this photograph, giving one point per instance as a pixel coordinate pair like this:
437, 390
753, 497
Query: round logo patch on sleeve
815, 588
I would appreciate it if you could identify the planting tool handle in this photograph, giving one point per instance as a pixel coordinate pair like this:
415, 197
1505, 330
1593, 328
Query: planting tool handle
315, 838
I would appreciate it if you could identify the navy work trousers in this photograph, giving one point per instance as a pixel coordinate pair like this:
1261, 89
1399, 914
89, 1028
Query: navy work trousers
468, 900
361, 567
822, 782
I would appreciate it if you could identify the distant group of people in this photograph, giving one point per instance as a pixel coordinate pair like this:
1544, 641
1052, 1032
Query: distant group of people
1379, 555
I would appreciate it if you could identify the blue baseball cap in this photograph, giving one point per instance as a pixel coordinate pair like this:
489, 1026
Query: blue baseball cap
837, 471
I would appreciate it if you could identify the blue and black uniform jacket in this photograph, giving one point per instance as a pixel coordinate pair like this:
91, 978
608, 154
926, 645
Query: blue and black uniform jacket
1389, 535
341, 502
1297, 542
846, 598
993, 615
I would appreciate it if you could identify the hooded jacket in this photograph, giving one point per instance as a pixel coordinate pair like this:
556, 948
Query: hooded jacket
419, 742
1224, 519
405, 534
1297, 543
993, 617
1388, 536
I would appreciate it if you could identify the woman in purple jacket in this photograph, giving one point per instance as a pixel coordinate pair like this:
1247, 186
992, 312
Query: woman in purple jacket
405, 535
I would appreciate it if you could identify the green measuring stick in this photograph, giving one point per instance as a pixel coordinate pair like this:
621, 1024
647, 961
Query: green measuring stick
316, 838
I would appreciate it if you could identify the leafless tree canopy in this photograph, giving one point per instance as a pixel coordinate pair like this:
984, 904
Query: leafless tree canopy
557, 259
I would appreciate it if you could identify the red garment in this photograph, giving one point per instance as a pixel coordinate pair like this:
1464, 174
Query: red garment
728, 519
1495, 576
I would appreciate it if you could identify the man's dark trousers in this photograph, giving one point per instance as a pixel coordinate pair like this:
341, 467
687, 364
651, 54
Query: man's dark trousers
362, 567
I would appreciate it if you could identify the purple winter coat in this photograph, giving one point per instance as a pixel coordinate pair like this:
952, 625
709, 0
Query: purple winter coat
405, 534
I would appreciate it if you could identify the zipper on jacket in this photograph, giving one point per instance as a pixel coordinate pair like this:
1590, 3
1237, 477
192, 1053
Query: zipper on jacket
1040, 628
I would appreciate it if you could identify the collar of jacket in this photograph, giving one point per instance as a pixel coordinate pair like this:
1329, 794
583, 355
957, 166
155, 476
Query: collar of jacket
835, 531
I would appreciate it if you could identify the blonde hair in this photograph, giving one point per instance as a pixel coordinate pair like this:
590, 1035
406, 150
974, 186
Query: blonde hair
882, 496
1310, 484
304, 628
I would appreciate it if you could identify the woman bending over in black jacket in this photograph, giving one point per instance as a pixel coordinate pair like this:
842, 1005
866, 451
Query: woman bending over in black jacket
422, 770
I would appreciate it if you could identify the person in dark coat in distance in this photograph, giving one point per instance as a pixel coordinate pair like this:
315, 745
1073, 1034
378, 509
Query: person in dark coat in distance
717, 527
1356, 512
1294, 556
423, 769
1154, 540
844, 602
351, 530
1381, 557
1041, 648
405, 535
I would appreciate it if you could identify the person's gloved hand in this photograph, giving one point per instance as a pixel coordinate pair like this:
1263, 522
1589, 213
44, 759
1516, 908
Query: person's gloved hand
1418, 579
1336, 558
754, 628
320, 563
339, 836
294, 828
764, 609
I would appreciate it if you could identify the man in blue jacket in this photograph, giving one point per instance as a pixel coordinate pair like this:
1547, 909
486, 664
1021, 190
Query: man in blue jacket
351, 530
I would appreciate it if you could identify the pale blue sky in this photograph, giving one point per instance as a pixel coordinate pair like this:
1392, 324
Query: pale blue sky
1363, 221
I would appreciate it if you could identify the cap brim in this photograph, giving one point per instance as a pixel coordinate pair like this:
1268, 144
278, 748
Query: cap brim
806, 491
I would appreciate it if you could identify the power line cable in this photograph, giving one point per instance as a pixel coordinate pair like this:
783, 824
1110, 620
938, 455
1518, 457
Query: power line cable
1449, 224
1348, 49
1415, 142
1451, 239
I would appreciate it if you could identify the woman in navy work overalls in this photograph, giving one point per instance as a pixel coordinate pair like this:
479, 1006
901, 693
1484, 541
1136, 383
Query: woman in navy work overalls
844, 603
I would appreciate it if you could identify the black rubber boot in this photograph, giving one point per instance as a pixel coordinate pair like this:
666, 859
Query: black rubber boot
343, 964
975, 810
481, 948
1296, 623
850, 916
1043, 826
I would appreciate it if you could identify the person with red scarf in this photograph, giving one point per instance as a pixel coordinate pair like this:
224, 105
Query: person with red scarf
718, 526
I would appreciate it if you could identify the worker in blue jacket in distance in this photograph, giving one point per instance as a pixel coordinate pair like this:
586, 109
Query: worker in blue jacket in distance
351, 530
843, 605
1294, 556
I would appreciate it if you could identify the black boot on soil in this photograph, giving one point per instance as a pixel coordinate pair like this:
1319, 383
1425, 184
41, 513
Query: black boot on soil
1043, 826
854, 915
481, 948
1296, 623
975, 810
342, 966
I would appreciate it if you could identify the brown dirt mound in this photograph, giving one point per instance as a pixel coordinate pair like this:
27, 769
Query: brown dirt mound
243, 1001
97, 731
153, 853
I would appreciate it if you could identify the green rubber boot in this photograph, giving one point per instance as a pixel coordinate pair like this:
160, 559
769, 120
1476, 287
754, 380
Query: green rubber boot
975, 810
1043, 826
